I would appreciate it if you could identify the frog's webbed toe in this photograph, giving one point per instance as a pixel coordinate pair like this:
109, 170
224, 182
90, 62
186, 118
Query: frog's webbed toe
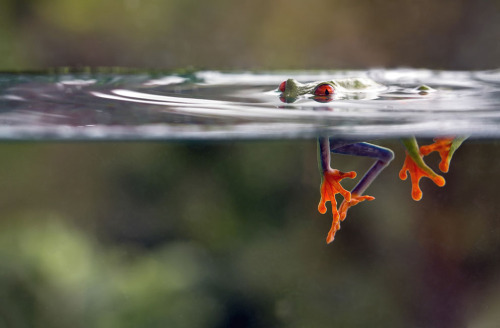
341, 214
355, 199
416, 173
443, 147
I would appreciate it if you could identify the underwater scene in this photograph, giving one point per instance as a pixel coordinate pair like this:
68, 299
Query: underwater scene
190, 199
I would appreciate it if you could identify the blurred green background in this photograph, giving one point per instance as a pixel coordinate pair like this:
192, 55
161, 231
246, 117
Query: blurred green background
257, 34
227, 234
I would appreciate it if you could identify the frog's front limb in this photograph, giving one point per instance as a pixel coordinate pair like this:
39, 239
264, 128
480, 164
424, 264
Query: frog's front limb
383, 155
415, 165
446, 147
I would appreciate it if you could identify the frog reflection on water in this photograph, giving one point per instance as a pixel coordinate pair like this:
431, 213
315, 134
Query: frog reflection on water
414, 164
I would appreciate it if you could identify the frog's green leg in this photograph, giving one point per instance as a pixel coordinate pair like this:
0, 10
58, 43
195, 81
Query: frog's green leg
446, 147
417, 168
332, 177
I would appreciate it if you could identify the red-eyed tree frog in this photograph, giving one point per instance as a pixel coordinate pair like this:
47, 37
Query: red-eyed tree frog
325, 91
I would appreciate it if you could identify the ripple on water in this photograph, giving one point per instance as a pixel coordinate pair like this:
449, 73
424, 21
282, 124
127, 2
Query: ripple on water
217, 105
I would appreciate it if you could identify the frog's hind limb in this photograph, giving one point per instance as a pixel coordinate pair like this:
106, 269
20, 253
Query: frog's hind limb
383, 157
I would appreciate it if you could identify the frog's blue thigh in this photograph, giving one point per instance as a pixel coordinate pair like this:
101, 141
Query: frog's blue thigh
382, 155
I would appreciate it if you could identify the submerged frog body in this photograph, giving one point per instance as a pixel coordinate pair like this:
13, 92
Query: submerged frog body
414, 164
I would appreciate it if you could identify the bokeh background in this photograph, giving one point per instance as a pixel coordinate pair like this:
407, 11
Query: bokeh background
257, 34
227, 234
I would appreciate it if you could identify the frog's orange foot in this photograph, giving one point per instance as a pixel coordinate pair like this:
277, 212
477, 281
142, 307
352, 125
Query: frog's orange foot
416, 173
335, 227
442, 146
330, 186
355, 199
342, 213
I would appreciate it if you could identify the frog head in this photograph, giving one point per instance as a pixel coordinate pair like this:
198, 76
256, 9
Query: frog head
291, 89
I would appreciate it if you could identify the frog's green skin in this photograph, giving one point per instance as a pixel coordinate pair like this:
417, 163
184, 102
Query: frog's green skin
295, 89
383, 156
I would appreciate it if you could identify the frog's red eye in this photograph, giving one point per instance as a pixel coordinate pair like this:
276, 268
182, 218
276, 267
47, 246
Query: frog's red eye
282, 86
324, 90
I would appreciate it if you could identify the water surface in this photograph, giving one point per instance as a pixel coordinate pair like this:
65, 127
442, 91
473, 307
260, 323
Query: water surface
217, 105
